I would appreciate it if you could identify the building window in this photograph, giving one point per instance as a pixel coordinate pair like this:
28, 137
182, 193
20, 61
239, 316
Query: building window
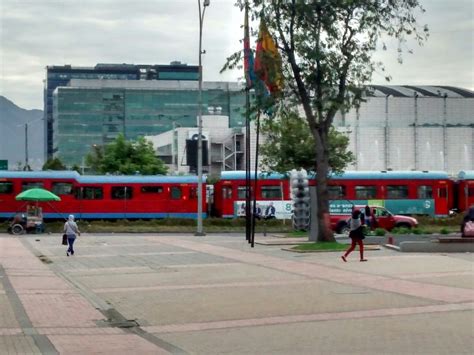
365, 192
226, 192
425, 191
31, 185
397, 191
6, 187
89, 193
152, 189
176, 193
336, 192
121, 193
271, 192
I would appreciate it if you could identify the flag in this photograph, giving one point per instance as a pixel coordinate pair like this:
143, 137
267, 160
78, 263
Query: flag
268, 61
248, 54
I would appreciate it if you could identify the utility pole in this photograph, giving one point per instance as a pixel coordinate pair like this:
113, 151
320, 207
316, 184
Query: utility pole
200, 231
27, 166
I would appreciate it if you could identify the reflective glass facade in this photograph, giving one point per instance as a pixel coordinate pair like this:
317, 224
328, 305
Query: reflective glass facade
84, 116
59, 76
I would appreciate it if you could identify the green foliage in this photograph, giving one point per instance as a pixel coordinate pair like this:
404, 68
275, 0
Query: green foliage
380, 232
290, 145
444, 231
401, 230
126, 157
76, 168
418, 231
54, 164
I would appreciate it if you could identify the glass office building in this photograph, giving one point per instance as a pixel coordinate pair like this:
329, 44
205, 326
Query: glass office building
60, 76
93, 112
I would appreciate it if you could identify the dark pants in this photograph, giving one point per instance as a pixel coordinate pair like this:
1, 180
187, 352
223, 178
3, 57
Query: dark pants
70, 241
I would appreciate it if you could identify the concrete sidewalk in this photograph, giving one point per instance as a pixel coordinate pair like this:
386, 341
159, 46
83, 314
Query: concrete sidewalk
153, 294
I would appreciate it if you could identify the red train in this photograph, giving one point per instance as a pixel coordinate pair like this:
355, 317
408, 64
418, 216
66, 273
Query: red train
117, 197
103, 197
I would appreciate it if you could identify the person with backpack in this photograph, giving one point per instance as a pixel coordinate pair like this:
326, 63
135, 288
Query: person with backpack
71, 229
356, 234
467, 225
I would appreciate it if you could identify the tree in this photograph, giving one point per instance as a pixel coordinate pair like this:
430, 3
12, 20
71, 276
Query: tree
326, 48
54, 164
289, 144
126, 157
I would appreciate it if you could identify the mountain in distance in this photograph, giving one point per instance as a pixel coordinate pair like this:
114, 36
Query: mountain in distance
12, 135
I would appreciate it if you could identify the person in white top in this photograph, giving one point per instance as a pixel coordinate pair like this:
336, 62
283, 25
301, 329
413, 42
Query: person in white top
71, 229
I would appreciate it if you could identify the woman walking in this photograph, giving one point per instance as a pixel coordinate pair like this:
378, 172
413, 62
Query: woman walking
71, 229
356, 234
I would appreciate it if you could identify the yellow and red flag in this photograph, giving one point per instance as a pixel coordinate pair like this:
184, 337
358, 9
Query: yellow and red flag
268, 61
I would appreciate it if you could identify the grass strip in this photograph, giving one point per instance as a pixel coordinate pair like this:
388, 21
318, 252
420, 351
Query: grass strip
321, 246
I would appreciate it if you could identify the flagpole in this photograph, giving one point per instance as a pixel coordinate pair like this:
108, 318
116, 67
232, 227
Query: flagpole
248, 84
257, 135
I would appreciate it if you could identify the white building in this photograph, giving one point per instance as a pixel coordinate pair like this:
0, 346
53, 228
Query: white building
412, 128
226, 146
395, 128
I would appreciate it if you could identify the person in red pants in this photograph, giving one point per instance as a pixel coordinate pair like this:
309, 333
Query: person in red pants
356, 234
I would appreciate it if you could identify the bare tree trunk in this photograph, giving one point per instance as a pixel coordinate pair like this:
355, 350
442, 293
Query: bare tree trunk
322, 167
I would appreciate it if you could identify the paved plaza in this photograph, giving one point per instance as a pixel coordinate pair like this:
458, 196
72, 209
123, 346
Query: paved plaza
181, 294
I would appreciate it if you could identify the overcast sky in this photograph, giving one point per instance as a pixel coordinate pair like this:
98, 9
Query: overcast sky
36, 33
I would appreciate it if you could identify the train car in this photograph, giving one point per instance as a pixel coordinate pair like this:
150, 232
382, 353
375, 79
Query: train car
465, 190
230, 190
104, 197
401, 192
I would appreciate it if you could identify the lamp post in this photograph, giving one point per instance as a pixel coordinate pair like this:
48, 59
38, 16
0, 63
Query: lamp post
27, 163
200, 231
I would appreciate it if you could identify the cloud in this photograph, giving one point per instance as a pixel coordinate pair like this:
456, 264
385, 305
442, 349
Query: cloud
37, 33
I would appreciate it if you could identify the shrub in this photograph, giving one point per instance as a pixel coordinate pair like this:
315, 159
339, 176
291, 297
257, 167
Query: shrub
401, 230
444, 231
380, 232
418, 231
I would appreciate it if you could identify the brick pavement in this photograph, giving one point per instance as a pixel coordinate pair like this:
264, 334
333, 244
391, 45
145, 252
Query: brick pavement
216, 295
61, 319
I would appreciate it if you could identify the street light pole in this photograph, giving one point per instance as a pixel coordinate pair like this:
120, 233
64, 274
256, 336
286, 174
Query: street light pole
200, 231
27, 166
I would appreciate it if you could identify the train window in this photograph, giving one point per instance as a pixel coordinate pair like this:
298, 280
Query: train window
442, 192
152, 189
336, 192
62, 188
470, 191
176, 192
425, 191
271, 192
365, 192
397, 191
6, 187
241, 192
192, 193
226, 192
89, 193
31, 185
121, 193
